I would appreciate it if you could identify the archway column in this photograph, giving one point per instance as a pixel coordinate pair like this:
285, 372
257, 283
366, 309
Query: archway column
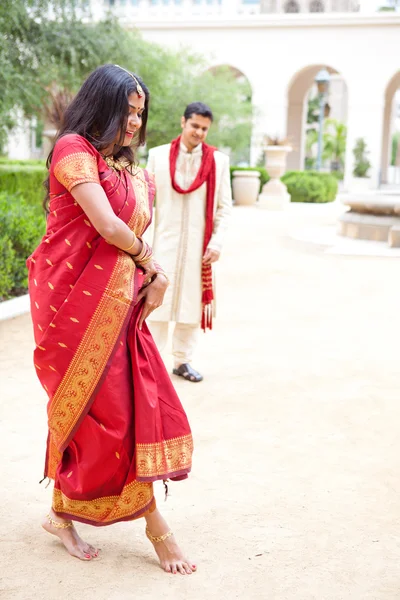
386, 139
296, 132
388, 125
270, 114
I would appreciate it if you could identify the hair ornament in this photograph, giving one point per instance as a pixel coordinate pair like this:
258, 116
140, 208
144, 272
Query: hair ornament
139, 89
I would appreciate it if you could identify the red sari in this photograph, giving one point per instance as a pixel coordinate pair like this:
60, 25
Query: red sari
115, 421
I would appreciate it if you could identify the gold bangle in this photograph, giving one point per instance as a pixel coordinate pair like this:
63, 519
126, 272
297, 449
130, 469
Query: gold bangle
131, 246
144, 261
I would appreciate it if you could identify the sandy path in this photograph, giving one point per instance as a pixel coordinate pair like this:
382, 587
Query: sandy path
295, 491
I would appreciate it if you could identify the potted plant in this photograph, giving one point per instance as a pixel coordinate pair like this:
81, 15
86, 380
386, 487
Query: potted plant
245, 186
334, 138
361, 182
274, 194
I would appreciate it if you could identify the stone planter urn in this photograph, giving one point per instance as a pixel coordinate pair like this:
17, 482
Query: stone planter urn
359, 185
274, 194
245, 187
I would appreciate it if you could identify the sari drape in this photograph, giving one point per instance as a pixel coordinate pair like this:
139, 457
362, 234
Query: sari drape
115, 422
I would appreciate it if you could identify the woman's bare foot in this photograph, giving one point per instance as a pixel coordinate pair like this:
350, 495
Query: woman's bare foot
171, 557
69, 537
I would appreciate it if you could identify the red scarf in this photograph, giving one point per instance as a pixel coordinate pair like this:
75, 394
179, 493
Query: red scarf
207, 173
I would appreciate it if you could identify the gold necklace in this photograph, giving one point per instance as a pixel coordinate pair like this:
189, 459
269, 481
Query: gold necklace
118, 164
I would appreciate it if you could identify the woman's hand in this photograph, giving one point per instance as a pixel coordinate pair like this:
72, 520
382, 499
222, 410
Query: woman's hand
149, 270
153, 296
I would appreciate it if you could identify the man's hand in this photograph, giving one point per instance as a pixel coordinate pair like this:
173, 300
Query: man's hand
153, 296
210, 256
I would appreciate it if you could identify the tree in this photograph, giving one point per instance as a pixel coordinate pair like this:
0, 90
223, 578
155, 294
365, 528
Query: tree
395, 148
27, 65
334, 141
361, 163
47, 49
311, 140
313, 110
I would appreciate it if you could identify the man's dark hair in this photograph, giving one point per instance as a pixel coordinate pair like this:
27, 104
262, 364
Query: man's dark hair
198, 108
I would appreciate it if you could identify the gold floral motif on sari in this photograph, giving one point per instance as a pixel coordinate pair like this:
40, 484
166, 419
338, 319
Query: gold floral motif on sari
95, 348
168, 456
135, 499
80, 167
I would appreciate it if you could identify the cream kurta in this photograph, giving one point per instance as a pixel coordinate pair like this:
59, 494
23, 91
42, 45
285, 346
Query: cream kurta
179, 228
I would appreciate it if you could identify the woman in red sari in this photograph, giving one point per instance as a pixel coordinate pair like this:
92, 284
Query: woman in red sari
115, 422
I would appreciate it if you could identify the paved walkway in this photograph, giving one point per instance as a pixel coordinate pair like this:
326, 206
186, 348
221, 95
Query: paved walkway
295, 492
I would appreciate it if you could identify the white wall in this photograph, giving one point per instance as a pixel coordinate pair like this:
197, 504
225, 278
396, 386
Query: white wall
273, 49
19, 141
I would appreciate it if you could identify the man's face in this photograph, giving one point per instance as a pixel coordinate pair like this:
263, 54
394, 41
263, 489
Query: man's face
194, 130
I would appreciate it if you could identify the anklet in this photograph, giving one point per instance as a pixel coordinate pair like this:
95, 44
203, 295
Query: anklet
155, 539
58, 525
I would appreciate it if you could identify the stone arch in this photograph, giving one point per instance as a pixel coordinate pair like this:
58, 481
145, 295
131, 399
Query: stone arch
317, 6
297, 94
234, 70
238, 74
388, 121
291, 6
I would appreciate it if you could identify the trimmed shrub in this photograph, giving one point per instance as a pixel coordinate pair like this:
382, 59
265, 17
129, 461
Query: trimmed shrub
7, 254
264, 177
361, 162
303, 186
16, 161
25, 226
25, 179
310, 186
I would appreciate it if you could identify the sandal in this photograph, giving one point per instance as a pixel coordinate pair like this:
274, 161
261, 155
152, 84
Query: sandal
187, 372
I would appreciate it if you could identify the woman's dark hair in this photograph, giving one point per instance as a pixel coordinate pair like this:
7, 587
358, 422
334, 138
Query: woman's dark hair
99, 112
198, 108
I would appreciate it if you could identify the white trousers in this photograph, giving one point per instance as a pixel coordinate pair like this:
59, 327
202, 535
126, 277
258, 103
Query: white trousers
184, 339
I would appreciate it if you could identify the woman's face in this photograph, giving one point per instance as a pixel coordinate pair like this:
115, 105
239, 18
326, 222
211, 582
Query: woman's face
134, 123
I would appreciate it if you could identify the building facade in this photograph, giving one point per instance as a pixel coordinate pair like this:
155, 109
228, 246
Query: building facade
280, 51
280, 54
226, 7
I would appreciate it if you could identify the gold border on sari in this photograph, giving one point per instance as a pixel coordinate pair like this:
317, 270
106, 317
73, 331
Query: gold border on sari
87, 366
161, 458
133, 500
54, 457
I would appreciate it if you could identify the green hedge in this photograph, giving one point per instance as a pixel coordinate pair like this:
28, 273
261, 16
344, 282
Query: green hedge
22, 226
303, 186
310, 186
23, 162
24, 179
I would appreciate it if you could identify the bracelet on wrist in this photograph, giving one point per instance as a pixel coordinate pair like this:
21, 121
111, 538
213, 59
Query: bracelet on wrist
145, 255
131, 246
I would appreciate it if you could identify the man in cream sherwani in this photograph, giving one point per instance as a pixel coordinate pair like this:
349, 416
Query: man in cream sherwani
179, 233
